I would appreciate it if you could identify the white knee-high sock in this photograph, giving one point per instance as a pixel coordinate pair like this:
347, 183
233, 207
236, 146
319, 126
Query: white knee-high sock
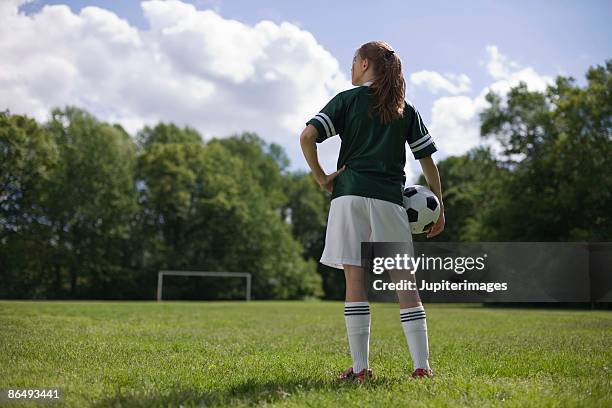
357, 317
415, 329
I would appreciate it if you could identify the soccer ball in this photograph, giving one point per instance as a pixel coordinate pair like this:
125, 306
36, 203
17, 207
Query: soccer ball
423, 208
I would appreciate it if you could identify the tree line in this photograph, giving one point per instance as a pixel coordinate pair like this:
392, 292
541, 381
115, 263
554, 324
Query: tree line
89, 211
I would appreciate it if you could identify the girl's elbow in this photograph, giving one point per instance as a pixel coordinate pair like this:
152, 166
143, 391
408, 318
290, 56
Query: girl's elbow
309, 135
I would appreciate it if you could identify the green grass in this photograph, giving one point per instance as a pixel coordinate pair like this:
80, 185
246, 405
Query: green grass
287, 353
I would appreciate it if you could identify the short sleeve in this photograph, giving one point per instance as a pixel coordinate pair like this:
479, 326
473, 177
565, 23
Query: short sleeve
419, 140
330, 120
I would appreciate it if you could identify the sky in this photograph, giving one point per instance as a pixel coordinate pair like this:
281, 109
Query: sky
224, 67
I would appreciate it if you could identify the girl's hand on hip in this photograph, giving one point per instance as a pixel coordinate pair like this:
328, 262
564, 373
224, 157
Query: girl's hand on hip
327, 182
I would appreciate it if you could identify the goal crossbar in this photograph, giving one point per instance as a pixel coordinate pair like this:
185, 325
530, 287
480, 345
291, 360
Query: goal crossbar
160, 279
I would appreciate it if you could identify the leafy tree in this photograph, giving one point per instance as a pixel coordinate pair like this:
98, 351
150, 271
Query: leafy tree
306, 210
89, 204
27, 159
68, 204
470, 185
166, 133
559, 145
204, 210
265, 163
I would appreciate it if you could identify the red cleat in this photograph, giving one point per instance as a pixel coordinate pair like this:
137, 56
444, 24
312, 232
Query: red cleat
350, 375
422, 372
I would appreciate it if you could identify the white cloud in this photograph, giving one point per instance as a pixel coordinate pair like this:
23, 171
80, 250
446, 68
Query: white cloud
193, 67
203, 43
435, 82
498, 65
221, 76
455, 124
508, 73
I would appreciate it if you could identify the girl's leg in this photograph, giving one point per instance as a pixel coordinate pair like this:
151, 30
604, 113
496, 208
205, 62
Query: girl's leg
412, 316
407, 298
355, 283
357, 316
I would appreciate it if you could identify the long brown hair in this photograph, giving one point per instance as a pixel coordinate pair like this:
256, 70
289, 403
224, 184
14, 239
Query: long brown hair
389, 87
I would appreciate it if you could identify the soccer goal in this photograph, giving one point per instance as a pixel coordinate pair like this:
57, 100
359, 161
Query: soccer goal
161, 274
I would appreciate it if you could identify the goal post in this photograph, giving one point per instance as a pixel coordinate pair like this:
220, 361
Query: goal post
161, 274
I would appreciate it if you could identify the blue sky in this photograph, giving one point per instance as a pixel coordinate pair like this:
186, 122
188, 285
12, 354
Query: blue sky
488, 42
552, 36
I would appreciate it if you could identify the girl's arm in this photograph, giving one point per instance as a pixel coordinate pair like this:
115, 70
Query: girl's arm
430, 171
432, 175
309, 148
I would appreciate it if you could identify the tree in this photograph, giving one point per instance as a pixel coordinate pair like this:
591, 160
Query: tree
89, 204
27, 159
560, 187
204, 209
306, 211
166, 133
264, 164
471, 184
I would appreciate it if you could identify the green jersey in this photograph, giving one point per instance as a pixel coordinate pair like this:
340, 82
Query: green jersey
374, 154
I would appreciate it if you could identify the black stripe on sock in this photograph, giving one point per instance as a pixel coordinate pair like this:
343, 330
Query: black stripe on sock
416, 315
416, 318
356, 313
412, 314
409, 313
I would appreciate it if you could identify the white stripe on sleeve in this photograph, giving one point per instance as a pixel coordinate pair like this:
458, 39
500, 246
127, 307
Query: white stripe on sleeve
416, 149
331, 125
324, 125
427, 136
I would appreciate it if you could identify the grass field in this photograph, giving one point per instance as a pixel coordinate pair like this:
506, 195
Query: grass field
287, 354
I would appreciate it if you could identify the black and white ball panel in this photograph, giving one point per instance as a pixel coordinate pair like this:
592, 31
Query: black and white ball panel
422, 207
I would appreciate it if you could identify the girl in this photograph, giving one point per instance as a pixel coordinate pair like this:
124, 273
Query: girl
374, 123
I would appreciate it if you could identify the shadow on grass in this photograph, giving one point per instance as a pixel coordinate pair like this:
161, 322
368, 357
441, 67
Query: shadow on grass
249, 393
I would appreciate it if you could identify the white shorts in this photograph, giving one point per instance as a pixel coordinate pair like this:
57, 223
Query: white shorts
354, 219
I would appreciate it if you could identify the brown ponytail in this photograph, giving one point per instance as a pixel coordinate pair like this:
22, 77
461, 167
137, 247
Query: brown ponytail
389, 87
